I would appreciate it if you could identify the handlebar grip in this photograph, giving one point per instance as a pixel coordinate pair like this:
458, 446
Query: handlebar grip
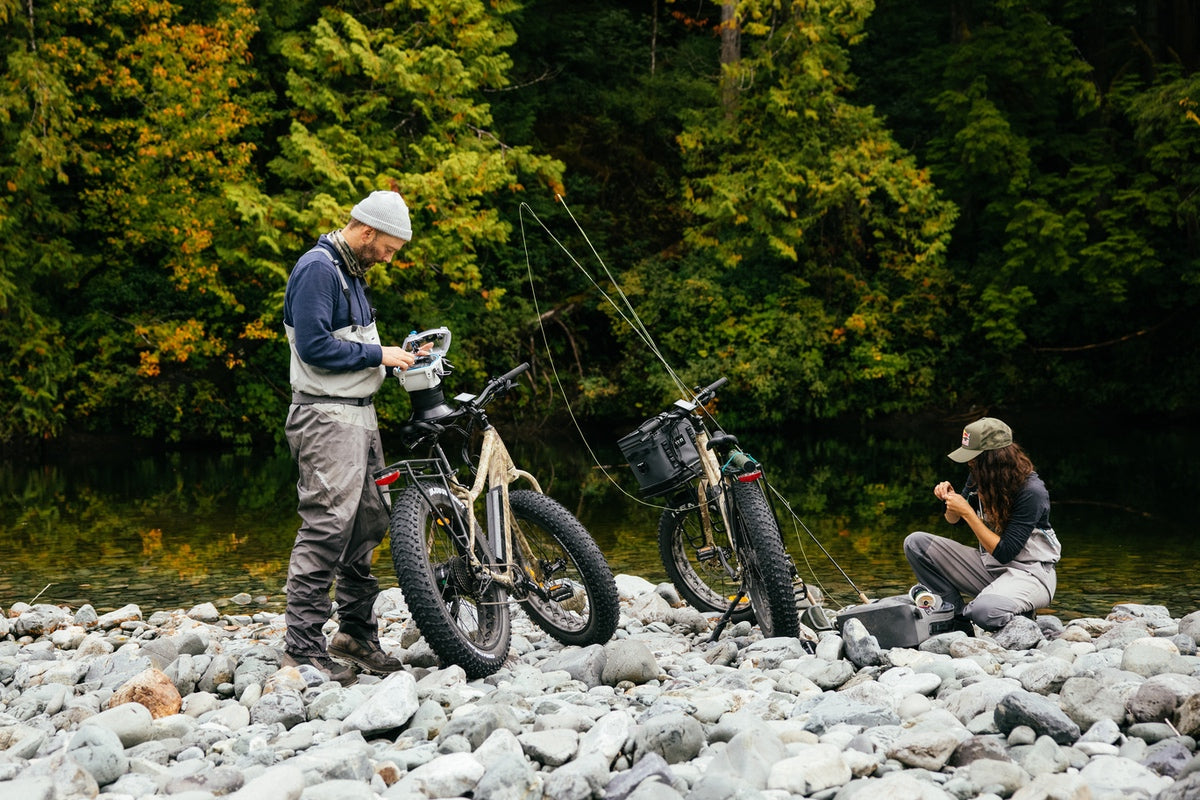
705, 394
513, 373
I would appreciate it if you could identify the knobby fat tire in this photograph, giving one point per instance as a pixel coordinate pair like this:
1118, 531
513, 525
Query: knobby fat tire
677, 527
766, 564
419, 544
547, 523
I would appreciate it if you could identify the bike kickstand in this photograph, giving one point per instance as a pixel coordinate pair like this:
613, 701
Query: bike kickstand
724, 620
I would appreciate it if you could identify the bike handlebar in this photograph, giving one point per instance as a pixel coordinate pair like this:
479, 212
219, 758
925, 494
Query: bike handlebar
498, 386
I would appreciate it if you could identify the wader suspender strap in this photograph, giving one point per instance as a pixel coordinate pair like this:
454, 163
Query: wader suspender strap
303, 399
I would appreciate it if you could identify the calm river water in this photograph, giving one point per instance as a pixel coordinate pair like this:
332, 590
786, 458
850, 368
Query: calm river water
169, 531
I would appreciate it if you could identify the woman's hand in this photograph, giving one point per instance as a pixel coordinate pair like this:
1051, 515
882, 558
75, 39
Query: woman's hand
957, 504
942, 490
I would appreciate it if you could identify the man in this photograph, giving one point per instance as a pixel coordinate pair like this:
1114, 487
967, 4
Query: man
337, 365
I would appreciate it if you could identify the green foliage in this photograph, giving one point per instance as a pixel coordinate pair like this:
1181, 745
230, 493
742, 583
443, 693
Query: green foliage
875, 208
818, 243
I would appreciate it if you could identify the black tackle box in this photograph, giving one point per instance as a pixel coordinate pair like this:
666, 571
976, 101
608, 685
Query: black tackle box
896, 621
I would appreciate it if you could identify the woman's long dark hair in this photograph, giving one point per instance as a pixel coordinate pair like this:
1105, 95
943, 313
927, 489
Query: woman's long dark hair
998, 475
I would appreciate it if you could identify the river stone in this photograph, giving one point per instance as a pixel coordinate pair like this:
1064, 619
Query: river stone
1157, 698
1087, 700
153, 689
1038, 712
1046, 676
650, 769
1150, 656
584, 664
391, 704
551, 748
926, 749
674, 736
976, 747
581, 779
811, 769
862, 648
987, 772
629, 660
1117, 778
1187, 716
510, 777
607, 738
750, 756
477, 725
833, 709
1021, 633
283, 707
980, 697
99, 751
1167, 757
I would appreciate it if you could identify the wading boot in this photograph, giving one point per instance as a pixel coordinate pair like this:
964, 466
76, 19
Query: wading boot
322, 664
367, 655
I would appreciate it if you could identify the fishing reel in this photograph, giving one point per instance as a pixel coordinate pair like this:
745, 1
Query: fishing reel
423, 380
924, 599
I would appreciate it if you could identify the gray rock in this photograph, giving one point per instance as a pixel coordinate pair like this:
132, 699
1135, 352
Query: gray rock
1088, 700
862, 649
131, 722
749, 756
833, 709
974, 748
629, 660
1046, 676
391, 704
1021, 633
1037, 712
509, 778
1190, 626
673, 736
1167, 757
1185, 789
584, 664
650, 768
98, 750
581, 779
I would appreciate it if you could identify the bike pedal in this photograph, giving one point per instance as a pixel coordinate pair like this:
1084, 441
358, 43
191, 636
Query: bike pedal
560, 592
706, 553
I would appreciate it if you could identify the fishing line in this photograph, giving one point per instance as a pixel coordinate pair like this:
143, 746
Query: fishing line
634, 321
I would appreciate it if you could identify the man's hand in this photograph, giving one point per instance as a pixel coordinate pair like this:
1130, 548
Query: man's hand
403, 359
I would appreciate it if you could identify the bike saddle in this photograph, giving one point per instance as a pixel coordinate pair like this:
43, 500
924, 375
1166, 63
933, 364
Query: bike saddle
722, 441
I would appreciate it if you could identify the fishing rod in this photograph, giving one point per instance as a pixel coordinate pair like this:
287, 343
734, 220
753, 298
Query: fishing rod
629, 315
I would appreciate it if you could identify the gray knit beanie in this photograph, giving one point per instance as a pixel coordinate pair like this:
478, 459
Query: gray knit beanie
386, 212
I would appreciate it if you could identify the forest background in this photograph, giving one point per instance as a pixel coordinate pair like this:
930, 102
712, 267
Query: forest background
851, 209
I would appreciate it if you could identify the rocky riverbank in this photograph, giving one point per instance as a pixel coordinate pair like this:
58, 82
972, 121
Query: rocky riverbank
193, 705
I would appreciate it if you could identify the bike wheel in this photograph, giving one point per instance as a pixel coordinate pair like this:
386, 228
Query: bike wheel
463, 618
707, 580
562, 557
766, 566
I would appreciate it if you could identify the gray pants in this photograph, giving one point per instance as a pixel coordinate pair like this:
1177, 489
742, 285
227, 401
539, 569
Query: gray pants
1001, 592
342, 521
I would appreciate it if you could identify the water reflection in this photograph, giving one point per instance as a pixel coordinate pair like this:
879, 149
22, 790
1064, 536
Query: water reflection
171, 531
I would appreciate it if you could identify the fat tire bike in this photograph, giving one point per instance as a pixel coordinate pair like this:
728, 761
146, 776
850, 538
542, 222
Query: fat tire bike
718, 538
458, 576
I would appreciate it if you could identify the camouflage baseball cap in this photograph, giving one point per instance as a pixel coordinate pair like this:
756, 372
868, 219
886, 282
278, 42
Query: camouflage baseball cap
982, 434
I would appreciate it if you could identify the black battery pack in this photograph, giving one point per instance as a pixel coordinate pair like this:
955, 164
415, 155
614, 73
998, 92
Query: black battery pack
896, 621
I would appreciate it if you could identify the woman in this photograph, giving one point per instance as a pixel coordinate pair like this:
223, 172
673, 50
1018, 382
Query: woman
1006, 506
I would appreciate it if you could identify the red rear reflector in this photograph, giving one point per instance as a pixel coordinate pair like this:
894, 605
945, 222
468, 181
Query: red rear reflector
750, 477
388, 479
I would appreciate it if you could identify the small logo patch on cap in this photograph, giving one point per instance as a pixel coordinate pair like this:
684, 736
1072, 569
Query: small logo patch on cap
966, 440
